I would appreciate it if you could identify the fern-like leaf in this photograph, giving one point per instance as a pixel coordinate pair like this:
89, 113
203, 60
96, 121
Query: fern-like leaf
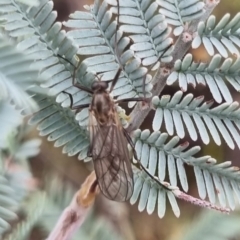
152, 195
179, 12
13, 190
212, 179
176, 111
34, 210
42, 37
16, 77
212, 74
149, 31
8, 205
10, 119
98, 37
29, 2
225, 227
224, 35
60, 124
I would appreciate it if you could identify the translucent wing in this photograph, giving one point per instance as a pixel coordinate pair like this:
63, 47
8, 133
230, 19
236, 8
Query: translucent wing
111, 159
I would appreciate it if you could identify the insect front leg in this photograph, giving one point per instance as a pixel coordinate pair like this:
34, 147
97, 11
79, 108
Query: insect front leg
78, 107
75, 84
144, 99
114, 81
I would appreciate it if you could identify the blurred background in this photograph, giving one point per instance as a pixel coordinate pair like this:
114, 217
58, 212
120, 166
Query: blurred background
122, 219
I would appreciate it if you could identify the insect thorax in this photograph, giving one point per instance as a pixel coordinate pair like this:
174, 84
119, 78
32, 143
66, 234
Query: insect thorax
103, 107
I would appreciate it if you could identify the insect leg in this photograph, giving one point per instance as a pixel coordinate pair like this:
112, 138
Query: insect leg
75, 84
144, 99
131, 100
83, 88
71, 98
130, 142
139, 162
116, 50
78, 106
152, 177
115, 79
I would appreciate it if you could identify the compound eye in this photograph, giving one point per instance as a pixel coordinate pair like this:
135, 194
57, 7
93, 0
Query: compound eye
104, 85
95, 85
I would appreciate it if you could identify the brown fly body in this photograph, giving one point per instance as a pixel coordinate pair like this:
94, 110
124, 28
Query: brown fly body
108, 146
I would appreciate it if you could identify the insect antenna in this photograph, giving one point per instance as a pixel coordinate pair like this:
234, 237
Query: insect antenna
116, 77
98, 78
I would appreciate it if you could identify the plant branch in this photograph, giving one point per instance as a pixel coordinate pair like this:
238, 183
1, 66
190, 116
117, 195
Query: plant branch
75, 214
181, 46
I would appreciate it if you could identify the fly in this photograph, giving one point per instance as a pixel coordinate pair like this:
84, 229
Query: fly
108, 141
108, 146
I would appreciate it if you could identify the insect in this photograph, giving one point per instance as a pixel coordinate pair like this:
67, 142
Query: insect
108, 139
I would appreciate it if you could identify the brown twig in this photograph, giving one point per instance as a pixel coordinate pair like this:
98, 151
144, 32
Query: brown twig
75, 214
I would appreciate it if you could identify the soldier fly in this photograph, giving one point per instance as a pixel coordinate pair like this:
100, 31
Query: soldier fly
108, 139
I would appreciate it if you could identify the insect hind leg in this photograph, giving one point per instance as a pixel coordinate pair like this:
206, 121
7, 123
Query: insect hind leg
130, 142
139, 162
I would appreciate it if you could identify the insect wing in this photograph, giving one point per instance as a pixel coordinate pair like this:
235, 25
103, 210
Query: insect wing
111, 159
